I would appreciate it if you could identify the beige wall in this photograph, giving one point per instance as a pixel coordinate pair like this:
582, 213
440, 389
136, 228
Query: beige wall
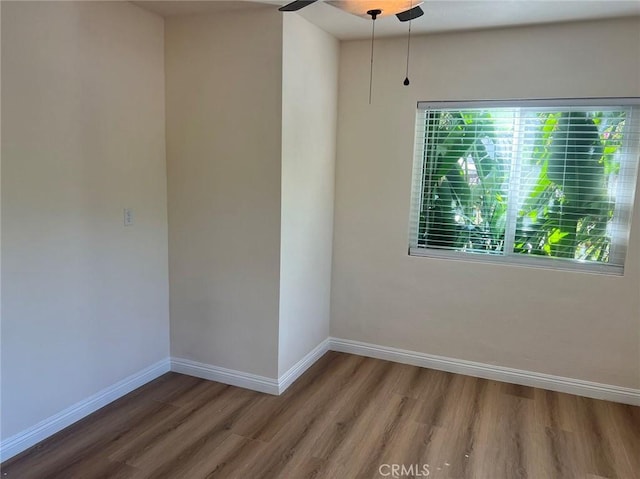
85, 299
575, 325
224, 110
309, 115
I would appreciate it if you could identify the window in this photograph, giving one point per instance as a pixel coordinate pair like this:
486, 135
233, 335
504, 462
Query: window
546, 183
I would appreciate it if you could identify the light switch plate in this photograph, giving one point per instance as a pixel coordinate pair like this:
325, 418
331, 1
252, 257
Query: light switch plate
128, 217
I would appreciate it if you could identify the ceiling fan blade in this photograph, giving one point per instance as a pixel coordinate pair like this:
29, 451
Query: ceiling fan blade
295, 6
410, 14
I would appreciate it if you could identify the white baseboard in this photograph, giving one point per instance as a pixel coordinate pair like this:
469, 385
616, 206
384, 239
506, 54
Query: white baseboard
288, 378
33, 435
25, 439
488, 371
225, 376
247, 380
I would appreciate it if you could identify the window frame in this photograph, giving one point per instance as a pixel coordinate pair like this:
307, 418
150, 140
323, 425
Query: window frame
629, 176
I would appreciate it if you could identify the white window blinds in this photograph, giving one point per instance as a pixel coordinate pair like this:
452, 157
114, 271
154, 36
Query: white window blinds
541, 182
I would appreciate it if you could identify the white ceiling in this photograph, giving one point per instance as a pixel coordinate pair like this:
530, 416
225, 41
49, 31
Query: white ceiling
170, 8
440, 15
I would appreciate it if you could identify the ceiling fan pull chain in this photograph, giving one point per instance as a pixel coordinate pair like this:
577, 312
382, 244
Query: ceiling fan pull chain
406, 78
374, 14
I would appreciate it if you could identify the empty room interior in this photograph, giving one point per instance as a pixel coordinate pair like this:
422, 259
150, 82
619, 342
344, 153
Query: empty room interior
320, 239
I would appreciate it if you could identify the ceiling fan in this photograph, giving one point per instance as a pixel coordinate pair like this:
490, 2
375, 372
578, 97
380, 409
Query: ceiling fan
404, 10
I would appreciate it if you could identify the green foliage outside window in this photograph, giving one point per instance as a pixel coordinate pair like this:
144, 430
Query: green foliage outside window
550, 174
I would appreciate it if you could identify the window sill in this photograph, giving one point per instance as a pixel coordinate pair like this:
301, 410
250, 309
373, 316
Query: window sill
540, 262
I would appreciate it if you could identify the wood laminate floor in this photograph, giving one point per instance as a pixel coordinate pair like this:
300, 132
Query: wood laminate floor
347, 417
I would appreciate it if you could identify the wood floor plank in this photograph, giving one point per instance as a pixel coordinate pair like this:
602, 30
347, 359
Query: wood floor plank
194, 431
349, 407
96, 468
139, 440
275, 413
344, 418
626, 425
86, 440
298, 442
621, 460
